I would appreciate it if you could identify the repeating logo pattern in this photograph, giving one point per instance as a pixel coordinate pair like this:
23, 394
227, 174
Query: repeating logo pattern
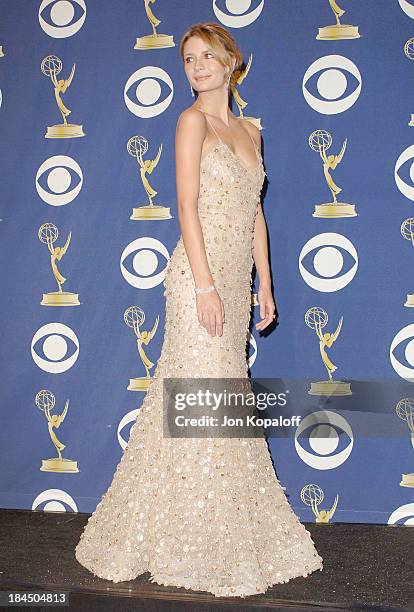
78, 92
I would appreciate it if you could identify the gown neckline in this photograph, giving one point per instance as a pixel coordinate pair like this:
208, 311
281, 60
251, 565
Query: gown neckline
242, 164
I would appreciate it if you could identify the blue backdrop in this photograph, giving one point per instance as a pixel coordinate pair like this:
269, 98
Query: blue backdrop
359, 268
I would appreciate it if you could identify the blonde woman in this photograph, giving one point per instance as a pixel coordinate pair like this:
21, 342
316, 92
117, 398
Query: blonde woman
206, 514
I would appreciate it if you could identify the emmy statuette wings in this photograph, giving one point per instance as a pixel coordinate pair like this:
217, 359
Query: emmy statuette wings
409, 52
137, 146
51, 66
405, 410
312, 495
45, 401
407, 232
154, 40
237, 78
135, 317
48, 233
320, 141
316, 318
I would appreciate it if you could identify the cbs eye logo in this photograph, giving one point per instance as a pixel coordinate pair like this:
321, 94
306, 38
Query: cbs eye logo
62, 19
144, 263
401, 173
55, 347
407, 7
337, 76
238, 17
147, 91
404, 515
54, 500
129, 419
332, 251
405, 351
253, 345
61, 172
324, 439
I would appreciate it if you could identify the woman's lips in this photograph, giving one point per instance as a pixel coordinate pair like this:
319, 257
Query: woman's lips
202, 78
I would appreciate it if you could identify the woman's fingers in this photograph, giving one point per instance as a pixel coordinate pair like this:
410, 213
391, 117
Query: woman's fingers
213, 322
268, 309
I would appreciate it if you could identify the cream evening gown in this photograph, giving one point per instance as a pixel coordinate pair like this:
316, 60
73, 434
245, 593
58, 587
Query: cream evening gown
206, 514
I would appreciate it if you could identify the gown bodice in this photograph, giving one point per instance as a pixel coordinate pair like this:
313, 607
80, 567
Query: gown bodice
229, 194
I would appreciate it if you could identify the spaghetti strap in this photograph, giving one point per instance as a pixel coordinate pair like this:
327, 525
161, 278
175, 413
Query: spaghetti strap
212, 127
256, 147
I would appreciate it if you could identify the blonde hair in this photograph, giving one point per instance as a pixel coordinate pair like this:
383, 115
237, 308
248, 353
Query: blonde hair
219, 39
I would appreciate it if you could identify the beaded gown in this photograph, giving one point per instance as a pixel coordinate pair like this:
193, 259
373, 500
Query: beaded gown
206, 514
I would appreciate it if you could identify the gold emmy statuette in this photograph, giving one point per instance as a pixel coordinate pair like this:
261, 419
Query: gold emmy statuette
320, 141
316, 318
312, 495
407, 232
45, 401
134, 317
48, 234
2, 54
237, 78
51, 66
409, 52
255, 301
338, 31
405, 410
154, 40
137, 146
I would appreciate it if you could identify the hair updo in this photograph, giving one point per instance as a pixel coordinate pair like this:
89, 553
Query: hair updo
220, 41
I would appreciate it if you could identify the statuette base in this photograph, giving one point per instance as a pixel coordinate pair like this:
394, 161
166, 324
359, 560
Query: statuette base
407, 480
159, 41
67, 466
330, 387
338, 32
139, 384
150, 213
334, 211
60, 298
71, 130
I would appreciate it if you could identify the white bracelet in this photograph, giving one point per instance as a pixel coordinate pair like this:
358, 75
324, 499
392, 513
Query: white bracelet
204, 289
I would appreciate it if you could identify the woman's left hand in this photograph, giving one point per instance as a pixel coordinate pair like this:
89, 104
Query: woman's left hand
267, 307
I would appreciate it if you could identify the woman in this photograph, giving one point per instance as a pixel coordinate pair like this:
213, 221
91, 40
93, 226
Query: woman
204, 513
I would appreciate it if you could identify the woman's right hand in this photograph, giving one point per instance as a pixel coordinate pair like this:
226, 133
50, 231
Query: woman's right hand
210, 312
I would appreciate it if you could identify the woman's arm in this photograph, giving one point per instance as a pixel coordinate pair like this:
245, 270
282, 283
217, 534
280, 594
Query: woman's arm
260, 251
190, 134
261, 257
261, 261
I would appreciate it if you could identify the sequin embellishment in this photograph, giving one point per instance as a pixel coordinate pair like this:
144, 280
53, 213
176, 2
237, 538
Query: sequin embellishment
204, 514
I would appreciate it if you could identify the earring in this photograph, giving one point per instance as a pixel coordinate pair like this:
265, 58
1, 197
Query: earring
192, 90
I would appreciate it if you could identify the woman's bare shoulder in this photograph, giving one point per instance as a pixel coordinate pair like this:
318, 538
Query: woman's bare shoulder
191, 118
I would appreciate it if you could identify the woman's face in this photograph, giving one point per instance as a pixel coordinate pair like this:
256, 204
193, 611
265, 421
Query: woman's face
203, 70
